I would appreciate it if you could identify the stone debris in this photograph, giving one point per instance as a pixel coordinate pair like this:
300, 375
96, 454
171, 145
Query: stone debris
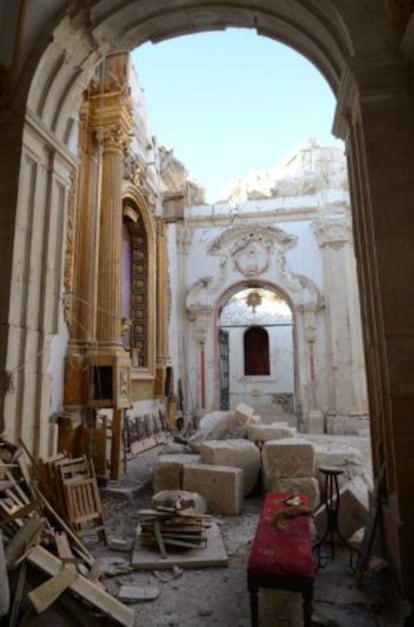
168, 471
221, 425
260, 433
134, 594
221, 486
353, 509
238, 453
290, 457
168, 498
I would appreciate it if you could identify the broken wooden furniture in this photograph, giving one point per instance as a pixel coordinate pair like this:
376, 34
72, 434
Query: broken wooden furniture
38, 543
72, 487
281, 554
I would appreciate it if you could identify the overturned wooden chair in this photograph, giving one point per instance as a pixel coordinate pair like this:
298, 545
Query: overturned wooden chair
82, 498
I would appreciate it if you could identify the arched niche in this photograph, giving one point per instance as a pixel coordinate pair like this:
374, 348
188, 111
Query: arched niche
142, 324
255, 323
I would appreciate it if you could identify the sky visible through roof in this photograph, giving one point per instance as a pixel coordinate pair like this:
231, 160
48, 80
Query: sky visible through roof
232, 102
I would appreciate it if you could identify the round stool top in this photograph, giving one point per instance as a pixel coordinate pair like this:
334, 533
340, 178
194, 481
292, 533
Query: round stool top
331, 470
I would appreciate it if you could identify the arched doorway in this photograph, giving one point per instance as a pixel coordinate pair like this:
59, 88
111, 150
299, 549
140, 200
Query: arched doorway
51, 64
256, 349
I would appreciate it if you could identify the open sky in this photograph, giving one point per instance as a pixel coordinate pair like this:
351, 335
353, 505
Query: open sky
232, 102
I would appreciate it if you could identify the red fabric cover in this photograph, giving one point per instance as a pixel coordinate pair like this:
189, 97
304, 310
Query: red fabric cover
283, 556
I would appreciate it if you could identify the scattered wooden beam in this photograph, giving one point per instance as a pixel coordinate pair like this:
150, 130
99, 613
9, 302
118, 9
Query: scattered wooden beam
87, 590
44, 595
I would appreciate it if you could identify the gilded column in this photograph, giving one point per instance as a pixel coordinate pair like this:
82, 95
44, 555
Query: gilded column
113, 139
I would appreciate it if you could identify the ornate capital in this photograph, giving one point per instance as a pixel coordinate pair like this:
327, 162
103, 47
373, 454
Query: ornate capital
113, 138
332, 231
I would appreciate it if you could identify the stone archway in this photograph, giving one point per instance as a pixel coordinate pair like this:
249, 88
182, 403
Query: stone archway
354, 46
264, 376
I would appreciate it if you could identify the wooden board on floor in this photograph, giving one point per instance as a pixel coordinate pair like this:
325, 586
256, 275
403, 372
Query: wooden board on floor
87, 590
44, 595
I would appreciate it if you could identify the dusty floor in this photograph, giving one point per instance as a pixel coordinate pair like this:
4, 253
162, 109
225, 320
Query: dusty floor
212, 597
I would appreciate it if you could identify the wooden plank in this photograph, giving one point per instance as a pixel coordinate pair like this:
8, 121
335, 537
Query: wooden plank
160, 541
22, 540
44, 595
87, 590
64, 551
18, 595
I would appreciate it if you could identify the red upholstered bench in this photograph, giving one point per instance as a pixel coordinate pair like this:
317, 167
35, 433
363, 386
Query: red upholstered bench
281, 558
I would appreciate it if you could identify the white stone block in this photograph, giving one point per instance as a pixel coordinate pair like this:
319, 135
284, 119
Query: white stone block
290, 457
353, 509
239, 453
245, 410
275, 431
221, 486
167, 473
307, 485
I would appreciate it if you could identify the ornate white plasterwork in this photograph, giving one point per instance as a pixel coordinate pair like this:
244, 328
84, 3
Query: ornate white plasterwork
197, 297
249, 248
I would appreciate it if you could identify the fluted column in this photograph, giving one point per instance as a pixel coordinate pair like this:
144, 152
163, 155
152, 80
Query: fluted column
162, 295
113, 140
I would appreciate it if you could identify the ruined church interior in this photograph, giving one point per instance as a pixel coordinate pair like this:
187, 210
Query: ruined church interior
185, 385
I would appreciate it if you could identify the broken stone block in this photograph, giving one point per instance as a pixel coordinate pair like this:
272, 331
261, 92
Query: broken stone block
353, 509
245, 414
239, 453
221, 486
220, 425
168, 471
343, 456
169, 498
307, 485
276, 431
290, 457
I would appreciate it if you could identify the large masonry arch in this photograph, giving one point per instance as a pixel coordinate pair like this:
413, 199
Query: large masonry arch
48, 56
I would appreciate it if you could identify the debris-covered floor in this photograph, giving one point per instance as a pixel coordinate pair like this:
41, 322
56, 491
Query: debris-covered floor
218, 596
58, 581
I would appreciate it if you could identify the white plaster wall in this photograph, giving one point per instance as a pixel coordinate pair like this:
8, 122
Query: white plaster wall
297, 264
260, 390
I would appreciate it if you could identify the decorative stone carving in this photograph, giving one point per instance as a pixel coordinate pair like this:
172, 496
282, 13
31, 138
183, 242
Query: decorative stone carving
113, 138
250, 248
133, 170
252, 259
184, 239
197, 296
332, 231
